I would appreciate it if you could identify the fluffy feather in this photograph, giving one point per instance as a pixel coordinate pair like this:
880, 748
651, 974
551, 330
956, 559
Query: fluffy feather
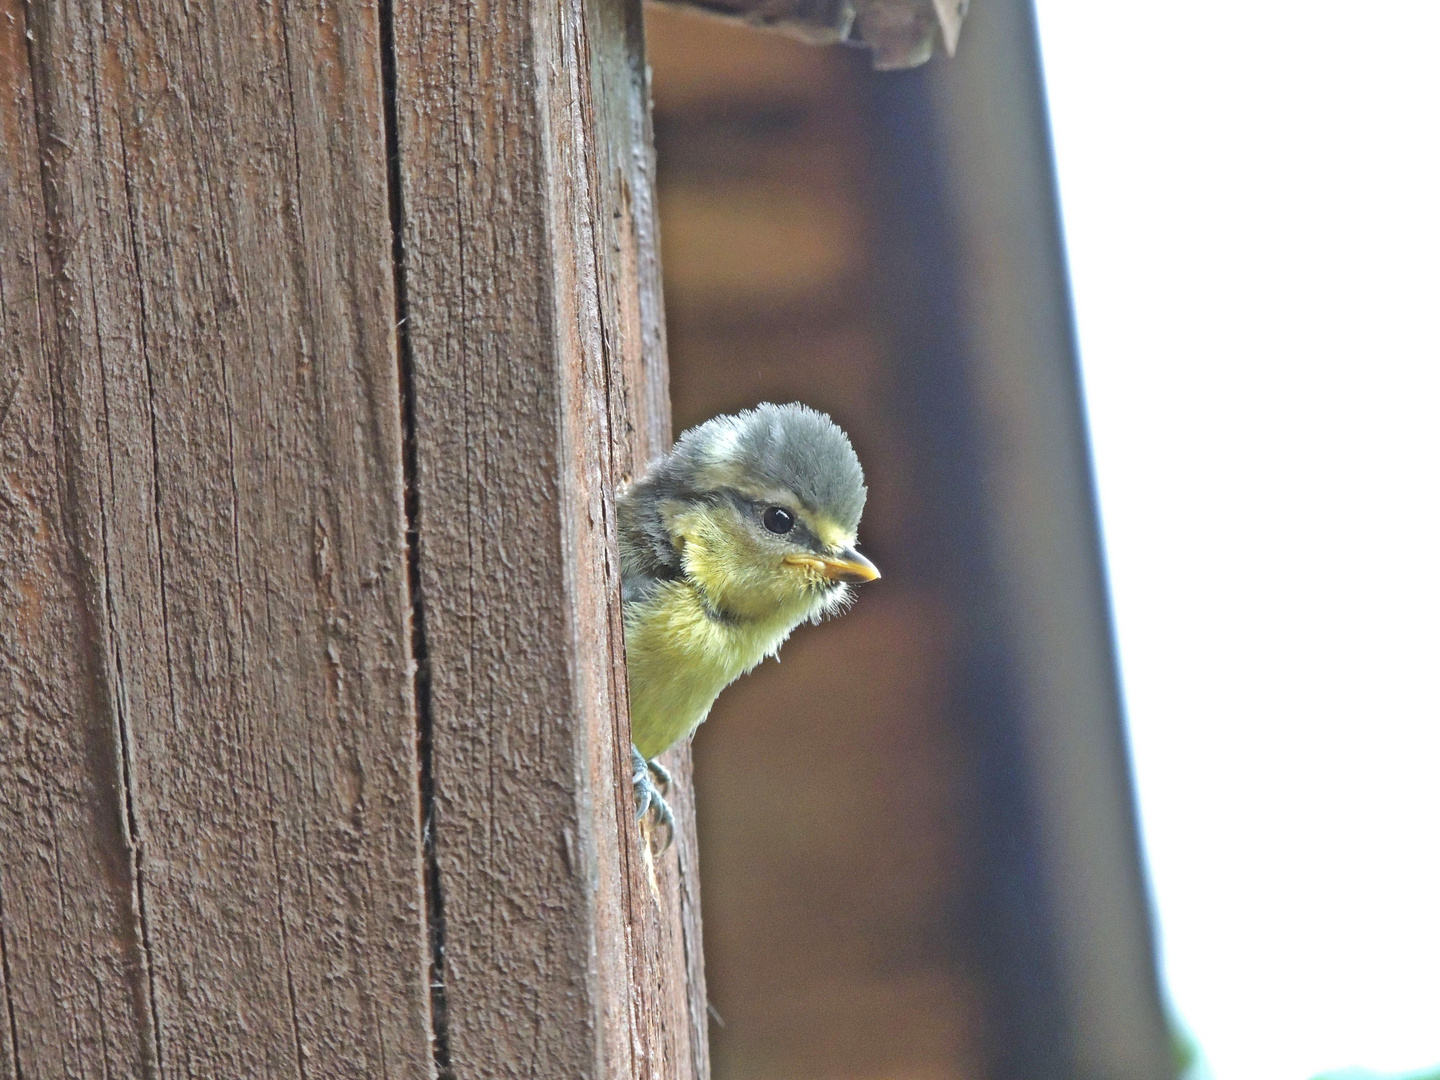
708, 592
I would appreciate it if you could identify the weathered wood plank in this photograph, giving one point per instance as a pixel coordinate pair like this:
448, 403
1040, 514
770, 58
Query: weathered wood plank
226, 405
535, 331
75, 986
673, 949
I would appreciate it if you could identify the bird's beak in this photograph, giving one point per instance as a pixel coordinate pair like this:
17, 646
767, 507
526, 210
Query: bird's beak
849, 565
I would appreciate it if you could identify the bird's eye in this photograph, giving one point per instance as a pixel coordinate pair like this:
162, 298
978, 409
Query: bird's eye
779, 520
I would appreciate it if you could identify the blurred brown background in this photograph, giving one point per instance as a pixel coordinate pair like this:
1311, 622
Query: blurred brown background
918, 850
829, 837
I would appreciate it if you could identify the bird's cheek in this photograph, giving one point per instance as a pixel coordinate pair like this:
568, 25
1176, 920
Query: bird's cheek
796, 580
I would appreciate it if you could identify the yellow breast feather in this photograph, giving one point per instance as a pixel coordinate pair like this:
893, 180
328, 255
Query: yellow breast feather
681, 655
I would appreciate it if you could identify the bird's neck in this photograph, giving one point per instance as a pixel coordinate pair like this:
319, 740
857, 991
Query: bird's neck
714, 611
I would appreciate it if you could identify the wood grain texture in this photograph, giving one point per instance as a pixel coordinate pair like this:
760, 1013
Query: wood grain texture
72, 958
212, 852
534, 320
211, 859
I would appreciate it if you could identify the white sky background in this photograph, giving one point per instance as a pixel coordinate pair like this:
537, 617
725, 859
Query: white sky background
1250, 195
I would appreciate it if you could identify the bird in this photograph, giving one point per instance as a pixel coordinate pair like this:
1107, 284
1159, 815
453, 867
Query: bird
743, 531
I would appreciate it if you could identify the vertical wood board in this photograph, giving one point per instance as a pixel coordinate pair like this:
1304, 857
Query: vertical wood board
73, 975
216, 306
533, 313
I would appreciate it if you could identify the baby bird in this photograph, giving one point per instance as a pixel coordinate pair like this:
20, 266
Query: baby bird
742, 532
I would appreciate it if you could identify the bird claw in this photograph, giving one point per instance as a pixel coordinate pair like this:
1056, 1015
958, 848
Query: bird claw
648, 797
660, 773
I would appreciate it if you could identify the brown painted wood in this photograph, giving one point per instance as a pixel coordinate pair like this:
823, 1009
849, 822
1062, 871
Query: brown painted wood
535, 339
211, 858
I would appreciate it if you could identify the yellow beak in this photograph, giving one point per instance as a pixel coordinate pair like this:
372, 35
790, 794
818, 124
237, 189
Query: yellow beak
849, 565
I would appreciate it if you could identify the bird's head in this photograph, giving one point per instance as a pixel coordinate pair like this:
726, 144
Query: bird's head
760, 511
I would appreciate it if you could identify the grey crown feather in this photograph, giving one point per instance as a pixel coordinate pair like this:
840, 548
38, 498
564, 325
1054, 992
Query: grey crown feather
787, 447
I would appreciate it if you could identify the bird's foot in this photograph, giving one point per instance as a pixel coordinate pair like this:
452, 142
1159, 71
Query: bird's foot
660, 773
648, 795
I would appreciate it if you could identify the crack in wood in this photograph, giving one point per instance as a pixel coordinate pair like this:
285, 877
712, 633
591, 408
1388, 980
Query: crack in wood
419, 648
122, 730
5, 982
300, 1070
95, 581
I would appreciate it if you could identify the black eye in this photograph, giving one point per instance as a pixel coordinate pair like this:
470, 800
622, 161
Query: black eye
779, 520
